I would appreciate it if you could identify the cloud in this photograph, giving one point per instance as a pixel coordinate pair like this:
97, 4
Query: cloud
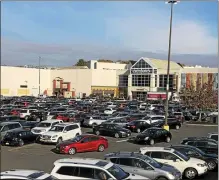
150, 32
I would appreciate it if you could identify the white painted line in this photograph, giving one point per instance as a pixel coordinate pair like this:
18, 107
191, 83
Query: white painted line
204, 125
123, 140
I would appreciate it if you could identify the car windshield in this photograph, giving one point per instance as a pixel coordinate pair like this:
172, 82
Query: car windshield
117, 172
57, 129
108, 109
149, 131
77, 138
43, 124
152, 162
183, 156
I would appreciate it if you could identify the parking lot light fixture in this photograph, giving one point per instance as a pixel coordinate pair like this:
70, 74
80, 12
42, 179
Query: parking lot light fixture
168, 65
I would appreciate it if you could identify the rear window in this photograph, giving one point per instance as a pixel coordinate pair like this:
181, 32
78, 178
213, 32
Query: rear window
23, 111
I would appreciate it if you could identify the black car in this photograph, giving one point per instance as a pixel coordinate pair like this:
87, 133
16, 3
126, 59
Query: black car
173, 123
27, 124
191, 151
205, 144
110, 129
18, 138
137, 126
152, 135
38, 116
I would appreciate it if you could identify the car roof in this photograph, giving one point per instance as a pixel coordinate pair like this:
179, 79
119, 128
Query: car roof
125, 154
50, 121
146, 149
84, 161
8, 122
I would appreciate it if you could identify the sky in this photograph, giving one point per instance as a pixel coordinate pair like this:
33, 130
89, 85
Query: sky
63, 32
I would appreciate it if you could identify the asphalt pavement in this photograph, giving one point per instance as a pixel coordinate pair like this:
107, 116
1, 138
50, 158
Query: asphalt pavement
41, 157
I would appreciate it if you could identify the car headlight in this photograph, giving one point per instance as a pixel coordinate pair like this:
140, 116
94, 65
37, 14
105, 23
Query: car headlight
200, 165
55, 136
146, 138
122, 132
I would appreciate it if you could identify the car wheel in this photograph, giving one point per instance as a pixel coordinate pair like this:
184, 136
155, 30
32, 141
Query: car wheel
177, 127
97, 133
59, 140
151, 142
138, 130
190, 173
72, 151
94, 124
101, 148
211, 165
116, 135
168, 139
161, 178
21, 142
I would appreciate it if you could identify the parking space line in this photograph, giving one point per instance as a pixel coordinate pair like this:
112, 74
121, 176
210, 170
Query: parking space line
17, 148
123, 140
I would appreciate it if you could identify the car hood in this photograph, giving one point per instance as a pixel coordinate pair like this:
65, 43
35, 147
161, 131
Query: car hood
193, 160
51, 133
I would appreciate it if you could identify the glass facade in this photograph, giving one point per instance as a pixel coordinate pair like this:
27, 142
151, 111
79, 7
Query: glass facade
163, 81
123, 81
142, 65
141, 80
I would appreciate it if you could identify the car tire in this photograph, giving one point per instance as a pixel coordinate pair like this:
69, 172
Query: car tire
77, 134
97, 133
93, 125
21, 142
168, 139
151, 142
177, 127
59, 140
211, 165
101, 148
161, 178
72, 151
138, 130
190, 173
116, 135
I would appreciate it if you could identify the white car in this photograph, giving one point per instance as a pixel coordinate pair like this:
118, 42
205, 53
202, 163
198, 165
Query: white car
188, 166
45, 126
153, 118
61, 132
25, 174
86, 168
109, 111
25, 113
92, 121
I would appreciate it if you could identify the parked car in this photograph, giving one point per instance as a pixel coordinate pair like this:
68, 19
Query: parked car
134, 162
61, 132
6, 127
83, 143
191, 151
173, 123
189, 167
9, 118
213, 136
26, 174
85, 168
153, 118
109, 129
25, 113
18, 138
92, 121
137, 126
153, 135
205, 144
45, 126
38, 116
109, 111
26, 124
66, 117
136, 116
118, 120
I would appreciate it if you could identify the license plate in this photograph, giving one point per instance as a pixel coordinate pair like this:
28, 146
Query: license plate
7, 143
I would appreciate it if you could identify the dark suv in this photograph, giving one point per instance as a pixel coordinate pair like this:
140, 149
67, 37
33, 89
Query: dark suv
137, 126
205, 144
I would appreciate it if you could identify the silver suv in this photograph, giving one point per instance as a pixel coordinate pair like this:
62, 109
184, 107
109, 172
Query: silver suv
134, 162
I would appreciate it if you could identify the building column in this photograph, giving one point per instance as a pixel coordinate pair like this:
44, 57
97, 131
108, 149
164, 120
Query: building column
130, 87
152, 83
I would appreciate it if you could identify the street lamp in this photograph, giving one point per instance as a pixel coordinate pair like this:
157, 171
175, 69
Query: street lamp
168, 64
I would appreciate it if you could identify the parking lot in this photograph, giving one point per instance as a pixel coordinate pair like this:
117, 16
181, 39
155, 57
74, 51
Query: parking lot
37, 156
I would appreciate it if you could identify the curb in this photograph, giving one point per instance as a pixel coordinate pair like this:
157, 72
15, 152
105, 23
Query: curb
204, 125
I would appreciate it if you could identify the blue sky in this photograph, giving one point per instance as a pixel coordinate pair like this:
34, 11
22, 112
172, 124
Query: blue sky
62, 32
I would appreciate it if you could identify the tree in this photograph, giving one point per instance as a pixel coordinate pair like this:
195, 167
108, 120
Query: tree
81, 62
200, 97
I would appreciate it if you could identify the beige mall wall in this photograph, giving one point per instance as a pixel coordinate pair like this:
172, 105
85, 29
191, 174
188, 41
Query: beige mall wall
13, 77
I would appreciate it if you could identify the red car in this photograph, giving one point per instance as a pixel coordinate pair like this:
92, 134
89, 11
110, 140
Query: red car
83, 143
66, 117
15, 112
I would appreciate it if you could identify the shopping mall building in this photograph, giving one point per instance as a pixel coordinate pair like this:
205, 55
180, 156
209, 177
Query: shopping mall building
146, 77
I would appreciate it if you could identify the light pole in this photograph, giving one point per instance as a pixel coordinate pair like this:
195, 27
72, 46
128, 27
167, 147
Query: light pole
168, 65
39, 74
26, 86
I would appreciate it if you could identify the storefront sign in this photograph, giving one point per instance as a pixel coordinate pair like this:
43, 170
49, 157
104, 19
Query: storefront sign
156, 96
141, 71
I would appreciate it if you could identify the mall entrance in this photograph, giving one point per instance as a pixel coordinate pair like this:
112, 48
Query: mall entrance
142, 96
